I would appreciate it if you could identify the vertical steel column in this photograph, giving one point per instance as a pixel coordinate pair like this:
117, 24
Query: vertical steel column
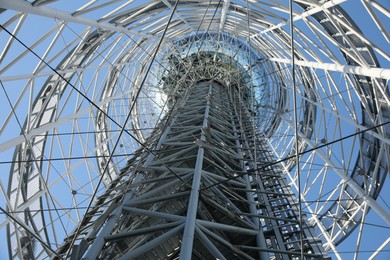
252, 207
189, 229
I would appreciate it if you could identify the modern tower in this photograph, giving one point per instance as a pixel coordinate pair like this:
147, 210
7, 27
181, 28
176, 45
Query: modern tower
216, 129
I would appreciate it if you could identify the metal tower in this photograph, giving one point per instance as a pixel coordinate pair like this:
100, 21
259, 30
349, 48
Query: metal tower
198, 190
194, 129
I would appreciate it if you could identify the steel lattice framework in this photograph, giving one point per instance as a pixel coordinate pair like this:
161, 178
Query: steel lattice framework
109, 107
200, 177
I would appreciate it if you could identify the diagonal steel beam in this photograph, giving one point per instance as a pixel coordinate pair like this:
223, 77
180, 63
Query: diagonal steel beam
26, 7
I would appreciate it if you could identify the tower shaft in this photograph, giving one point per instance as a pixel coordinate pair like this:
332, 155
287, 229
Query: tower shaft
204, 187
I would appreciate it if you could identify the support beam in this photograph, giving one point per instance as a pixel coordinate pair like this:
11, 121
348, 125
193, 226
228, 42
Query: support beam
151, 244
209, 245
143, 230
379, 73
27, 7
326, 5
225, 8
189, 229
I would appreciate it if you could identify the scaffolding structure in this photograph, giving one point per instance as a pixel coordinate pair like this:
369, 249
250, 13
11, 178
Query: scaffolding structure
194, 129
199, 190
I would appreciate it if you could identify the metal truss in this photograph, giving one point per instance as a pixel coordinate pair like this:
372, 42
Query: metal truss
203, 193
71, 73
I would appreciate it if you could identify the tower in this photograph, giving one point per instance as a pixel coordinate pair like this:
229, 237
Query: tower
163, 129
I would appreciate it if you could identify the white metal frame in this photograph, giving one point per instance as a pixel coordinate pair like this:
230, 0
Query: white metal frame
102, 50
